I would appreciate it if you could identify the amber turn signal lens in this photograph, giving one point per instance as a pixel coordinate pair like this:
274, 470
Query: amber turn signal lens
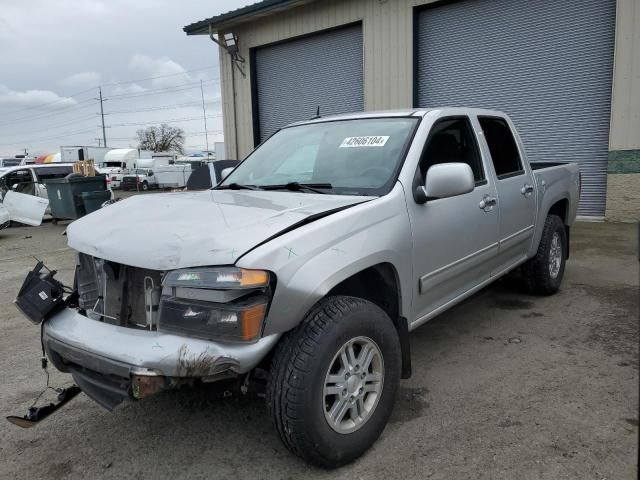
253, 278
251, 321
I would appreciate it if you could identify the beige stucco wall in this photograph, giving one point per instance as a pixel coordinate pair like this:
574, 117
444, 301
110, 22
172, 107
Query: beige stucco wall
388, 54
625, 102
388, 61
623, 197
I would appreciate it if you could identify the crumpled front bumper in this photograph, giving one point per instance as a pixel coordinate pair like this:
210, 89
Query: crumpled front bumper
104, 358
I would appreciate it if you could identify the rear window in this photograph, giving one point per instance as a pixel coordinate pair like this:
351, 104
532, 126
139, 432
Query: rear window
52, 172
502, 146
10, 162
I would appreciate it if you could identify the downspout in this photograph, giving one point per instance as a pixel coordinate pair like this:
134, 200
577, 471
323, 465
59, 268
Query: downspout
233, 92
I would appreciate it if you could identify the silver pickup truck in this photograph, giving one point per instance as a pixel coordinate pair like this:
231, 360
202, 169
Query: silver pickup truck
308, 265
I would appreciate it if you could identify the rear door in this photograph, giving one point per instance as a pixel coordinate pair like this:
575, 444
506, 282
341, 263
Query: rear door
23, 208
516, 192
455, 239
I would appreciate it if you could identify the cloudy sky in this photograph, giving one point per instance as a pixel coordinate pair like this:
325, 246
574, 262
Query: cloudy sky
55, 54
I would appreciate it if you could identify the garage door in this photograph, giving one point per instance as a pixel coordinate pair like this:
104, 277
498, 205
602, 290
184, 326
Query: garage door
293, 78
546, 63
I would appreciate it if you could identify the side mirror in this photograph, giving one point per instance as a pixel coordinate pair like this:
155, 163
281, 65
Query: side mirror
225, 172
445, 180
14, 187
150, 173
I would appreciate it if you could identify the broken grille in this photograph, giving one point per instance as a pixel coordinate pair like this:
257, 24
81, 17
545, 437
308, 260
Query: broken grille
118, 294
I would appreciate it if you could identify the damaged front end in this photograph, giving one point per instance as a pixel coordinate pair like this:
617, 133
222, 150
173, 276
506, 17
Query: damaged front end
132, 332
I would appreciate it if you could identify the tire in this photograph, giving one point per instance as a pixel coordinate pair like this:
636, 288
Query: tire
298, 403
145, 186
539, 275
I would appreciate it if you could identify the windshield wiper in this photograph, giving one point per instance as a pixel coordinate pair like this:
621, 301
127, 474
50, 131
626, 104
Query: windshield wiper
239, 186
298, 187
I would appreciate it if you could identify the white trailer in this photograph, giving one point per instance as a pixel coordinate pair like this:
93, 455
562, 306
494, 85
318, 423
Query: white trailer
75, 153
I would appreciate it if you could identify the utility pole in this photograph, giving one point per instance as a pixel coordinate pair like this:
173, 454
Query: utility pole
204, 116
104, 132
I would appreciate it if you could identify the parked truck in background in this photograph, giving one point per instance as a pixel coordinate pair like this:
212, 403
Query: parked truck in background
306, 268
70, 154
119, 161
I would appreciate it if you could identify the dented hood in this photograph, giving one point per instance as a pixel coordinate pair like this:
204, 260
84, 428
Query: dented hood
189, 229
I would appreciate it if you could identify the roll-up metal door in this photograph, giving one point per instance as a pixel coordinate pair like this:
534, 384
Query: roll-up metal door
546, 63
292, 78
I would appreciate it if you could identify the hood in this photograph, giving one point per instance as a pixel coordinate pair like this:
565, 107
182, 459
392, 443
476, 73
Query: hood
178, 230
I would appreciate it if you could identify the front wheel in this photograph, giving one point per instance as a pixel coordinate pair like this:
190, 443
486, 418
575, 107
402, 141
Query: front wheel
333, 381
145, 186
543, 273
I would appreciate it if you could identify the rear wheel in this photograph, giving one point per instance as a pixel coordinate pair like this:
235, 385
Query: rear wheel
333, 381
543, 273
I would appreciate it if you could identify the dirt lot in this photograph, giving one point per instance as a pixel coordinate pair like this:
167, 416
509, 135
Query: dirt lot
505, 386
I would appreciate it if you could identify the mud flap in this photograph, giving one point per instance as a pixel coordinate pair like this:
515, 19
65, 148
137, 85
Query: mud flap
405, 346
37, 414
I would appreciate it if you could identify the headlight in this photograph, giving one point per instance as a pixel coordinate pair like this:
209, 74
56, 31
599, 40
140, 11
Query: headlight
222, 278
219, 303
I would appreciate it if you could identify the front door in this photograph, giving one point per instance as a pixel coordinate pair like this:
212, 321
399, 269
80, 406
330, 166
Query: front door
516, 192
24, 208
20, 181
455, 240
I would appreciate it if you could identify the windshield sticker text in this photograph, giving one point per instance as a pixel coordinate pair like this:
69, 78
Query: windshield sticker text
369, 141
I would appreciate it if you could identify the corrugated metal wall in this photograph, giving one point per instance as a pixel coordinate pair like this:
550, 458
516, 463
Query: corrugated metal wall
388, 60
295, 78
545, 63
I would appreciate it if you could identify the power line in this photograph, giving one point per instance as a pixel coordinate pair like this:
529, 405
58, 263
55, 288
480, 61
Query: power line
169, 121
160, 91
79, 105
50, 103
163, 107
213, 132
124, 82
58, 125
91, 101
159, 76
43, 139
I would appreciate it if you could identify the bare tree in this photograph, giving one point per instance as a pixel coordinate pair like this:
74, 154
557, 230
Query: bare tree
161, 139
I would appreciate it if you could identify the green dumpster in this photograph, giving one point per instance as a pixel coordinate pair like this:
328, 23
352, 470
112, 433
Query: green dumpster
93, 200
65, 194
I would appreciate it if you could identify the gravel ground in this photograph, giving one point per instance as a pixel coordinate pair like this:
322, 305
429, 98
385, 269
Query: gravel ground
505, 385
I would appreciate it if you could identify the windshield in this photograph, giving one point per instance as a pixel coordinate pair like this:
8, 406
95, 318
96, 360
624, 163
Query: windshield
113, 165
348, 157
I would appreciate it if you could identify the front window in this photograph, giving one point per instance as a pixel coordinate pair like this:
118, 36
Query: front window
347, 157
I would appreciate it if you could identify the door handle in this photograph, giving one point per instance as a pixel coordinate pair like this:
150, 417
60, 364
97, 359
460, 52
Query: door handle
526, 189
487, 202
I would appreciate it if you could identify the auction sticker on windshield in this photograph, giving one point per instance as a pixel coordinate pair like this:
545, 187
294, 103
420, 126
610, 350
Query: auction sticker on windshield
369, 141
